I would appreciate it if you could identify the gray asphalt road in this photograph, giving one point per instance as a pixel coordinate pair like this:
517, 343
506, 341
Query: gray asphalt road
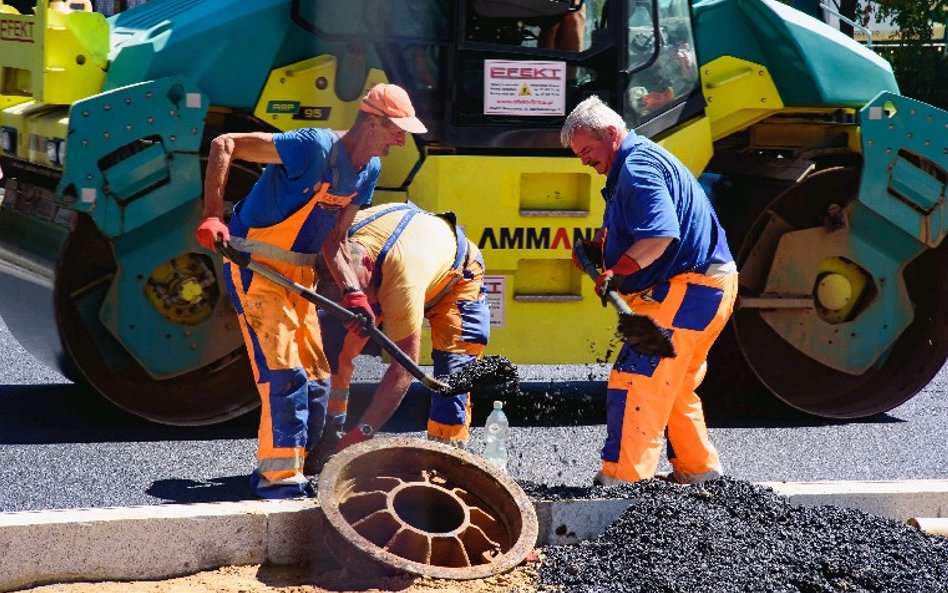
63, 448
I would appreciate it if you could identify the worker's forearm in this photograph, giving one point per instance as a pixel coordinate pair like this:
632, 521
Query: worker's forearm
392, 388
335, 250
339, 264
388, 396
252, 146
352, 346
215, 178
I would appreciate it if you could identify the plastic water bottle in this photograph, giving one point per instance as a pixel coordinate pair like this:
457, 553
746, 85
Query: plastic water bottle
496, 431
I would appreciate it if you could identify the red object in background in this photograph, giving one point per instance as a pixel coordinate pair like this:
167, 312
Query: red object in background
657, 99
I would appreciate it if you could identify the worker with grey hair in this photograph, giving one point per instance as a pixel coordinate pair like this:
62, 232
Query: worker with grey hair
662, 248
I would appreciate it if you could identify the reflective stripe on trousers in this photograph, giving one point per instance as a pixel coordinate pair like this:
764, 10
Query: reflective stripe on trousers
647, 394
281, 333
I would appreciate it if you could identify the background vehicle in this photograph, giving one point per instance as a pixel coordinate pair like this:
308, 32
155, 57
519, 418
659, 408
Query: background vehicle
831, 184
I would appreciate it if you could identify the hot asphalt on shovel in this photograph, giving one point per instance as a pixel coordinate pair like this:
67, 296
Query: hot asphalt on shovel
640, 332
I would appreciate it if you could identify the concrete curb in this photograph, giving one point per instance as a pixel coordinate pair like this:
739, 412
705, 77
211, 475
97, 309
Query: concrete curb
900, 500
163, 541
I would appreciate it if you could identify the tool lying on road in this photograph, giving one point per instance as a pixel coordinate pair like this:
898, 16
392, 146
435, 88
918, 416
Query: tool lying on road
243, 260
640, 332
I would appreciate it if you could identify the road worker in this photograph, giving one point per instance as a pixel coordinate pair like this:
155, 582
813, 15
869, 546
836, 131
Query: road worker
663, 249
414, 266
313, 185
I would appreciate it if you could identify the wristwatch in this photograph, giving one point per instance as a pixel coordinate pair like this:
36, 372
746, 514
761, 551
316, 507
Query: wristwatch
366, 430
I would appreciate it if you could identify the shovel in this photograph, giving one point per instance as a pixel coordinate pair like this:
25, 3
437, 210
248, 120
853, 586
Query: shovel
640, 332
243, 260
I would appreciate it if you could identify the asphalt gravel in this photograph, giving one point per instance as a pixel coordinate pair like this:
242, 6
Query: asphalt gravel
490, 375
729, 535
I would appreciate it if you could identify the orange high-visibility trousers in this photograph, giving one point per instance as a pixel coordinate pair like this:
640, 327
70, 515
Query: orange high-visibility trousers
647, 394
281, 332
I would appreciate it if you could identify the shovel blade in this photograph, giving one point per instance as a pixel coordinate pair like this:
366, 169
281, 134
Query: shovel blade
641, 333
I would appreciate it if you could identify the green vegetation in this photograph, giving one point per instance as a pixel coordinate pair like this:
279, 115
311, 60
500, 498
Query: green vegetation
920, 64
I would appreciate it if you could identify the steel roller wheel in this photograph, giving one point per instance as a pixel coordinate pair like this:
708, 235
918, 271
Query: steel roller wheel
805, 382
215, 393
425, 508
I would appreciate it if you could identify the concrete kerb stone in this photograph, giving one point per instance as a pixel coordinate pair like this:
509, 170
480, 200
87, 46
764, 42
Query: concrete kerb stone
164, 541
148, 542
900, 500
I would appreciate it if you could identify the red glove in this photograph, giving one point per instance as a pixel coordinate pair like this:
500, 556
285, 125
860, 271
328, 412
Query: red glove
358, 303
353, 437
209, 230
625, 266
604, 284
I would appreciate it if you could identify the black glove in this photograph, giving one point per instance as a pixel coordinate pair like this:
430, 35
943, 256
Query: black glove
593, 251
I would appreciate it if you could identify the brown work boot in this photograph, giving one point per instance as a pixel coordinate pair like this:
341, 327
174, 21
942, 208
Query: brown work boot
601, 479
677, 477
317, 456
456, 443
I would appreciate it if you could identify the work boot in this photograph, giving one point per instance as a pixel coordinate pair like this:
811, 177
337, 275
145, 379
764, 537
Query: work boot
314, 462
317, 456
456, 443
601, 479
677, 477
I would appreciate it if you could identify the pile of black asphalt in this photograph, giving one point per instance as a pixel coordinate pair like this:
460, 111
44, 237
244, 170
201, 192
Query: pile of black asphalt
730, 535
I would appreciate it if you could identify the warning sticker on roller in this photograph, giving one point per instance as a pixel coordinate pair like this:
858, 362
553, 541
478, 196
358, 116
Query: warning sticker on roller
496, 287
524, 88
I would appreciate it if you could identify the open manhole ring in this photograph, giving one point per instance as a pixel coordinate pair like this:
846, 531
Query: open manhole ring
405, 504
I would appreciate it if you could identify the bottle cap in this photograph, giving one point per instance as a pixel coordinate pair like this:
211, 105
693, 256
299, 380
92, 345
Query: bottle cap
498, 405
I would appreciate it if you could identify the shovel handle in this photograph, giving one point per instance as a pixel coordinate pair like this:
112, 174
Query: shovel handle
243, 260
611, 295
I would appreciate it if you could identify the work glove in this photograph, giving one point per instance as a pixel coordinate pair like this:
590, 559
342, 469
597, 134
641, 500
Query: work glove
207, 233
593, 251
356, 302
353, 437
606, 281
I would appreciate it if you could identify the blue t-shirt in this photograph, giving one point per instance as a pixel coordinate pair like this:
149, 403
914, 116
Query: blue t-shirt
650, 194
308, 160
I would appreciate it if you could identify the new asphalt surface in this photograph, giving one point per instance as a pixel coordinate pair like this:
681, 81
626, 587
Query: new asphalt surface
62, 447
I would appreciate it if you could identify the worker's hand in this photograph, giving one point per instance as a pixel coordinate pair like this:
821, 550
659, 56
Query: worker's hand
353, 437
593, 251
208, 232
604, 283
607, 281
356, 302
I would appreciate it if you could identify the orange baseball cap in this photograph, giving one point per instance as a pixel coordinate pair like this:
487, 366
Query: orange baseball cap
392, 101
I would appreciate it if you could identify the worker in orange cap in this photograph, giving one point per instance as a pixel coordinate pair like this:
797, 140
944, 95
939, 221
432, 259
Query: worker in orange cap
663, 249
314, 182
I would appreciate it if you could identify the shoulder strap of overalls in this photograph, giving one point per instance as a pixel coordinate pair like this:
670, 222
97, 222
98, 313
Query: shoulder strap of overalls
410, 211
